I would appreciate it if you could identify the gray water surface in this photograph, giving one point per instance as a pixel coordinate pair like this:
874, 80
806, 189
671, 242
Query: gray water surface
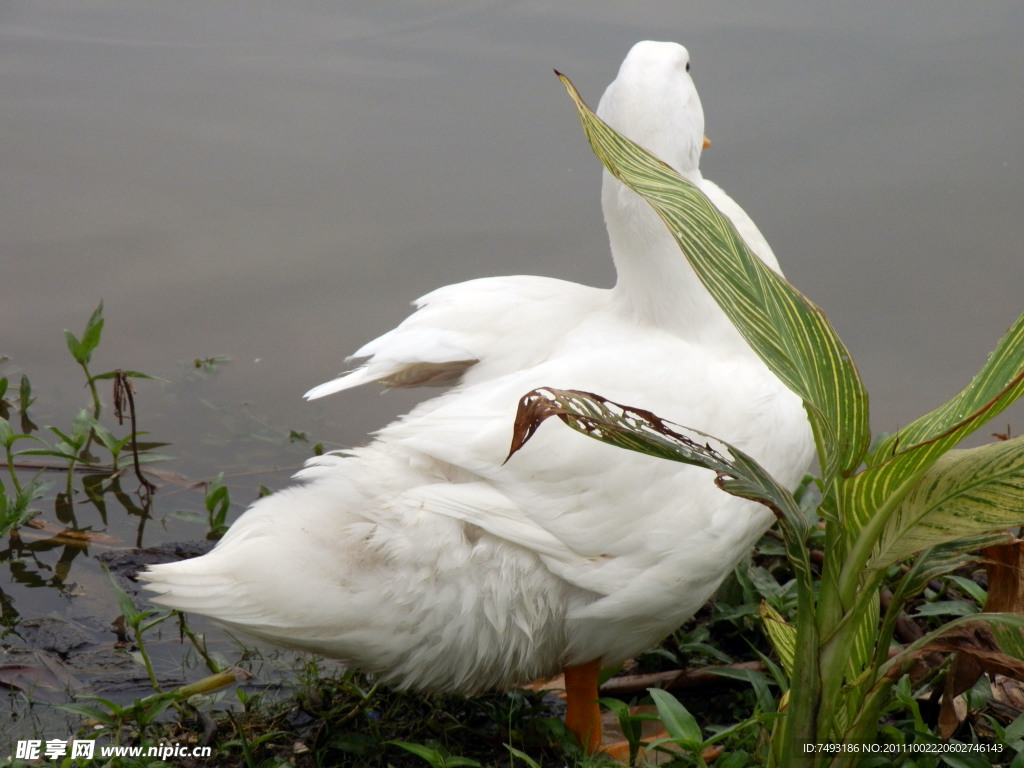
275, 182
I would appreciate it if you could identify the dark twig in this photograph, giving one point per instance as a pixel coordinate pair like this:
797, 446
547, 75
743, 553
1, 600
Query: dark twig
123, 392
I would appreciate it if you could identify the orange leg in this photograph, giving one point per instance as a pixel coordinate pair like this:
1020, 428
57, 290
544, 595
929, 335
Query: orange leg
582, 713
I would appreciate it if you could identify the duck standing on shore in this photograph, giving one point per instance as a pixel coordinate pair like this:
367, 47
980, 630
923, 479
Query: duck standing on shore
426, 560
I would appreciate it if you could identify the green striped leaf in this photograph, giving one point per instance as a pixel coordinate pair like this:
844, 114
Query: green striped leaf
858, 652
782, 635
965, 493
640, 430
873, 495
787, 331
998, 384
903, 457
1010, 640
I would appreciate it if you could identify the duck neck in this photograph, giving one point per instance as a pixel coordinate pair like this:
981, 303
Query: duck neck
656, 284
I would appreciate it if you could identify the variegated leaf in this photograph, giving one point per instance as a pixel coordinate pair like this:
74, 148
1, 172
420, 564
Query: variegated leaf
640, 430
901, 458
965, 493
782, 635
997, 385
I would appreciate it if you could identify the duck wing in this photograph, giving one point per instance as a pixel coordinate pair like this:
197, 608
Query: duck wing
494, 325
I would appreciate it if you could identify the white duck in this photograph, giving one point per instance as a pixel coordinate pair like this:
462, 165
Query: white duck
425, 560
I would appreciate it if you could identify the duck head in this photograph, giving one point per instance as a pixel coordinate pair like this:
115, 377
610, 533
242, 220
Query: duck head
654, 102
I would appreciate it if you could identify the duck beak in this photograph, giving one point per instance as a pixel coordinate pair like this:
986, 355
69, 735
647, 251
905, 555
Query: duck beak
707, 143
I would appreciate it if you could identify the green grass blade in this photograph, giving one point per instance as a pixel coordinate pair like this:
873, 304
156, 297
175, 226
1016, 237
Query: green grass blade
678, 721
941, 559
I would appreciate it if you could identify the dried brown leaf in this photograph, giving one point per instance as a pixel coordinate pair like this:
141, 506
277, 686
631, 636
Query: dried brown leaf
1005, 568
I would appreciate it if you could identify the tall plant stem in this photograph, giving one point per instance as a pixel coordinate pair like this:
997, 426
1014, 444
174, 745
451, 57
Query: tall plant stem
10, 469
96, 407
800, 726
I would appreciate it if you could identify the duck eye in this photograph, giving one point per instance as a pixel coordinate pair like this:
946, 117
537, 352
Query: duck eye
687, 66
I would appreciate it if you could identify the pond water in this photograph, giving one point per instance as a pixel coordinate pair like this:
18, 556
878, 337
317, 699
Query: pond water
273, 183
